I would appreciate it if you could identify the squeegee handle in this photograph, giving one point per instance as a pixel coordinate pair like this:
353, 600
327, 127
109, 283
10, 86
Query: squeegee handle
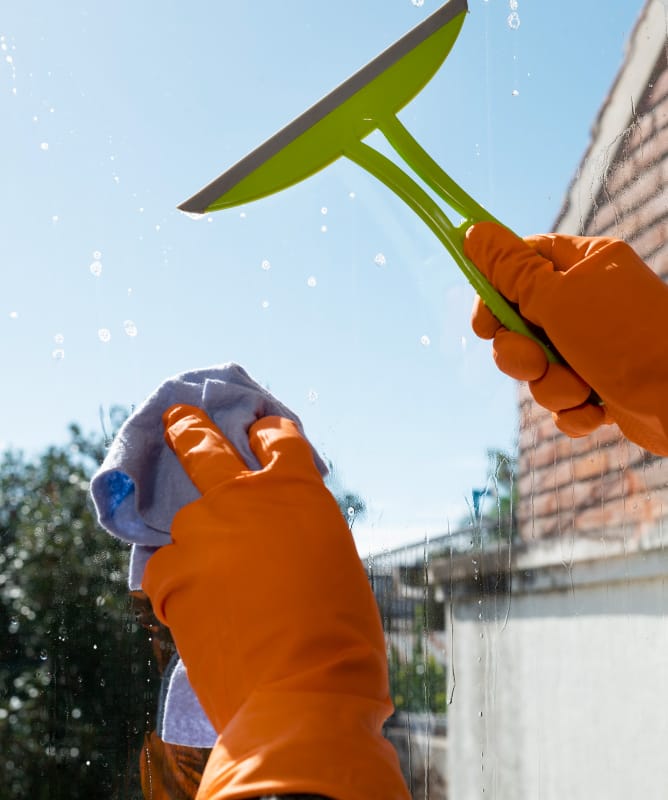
451, 236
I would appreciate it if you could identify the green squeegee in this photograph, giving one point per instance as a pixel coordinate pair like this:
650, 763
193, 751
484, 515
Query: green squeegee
337, 125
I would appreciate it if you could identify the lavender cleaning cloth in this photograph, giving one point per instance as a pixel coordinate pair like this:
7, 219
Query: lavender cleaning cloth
141, 485
181, 719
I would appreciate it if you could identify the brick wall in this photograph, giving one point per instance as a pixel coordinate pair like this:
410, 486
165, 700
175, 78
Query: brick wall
602, 485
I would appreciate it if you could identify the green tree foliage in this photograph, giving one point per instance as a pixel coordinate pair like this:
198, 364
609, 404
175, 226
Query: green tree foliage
494, 504
419, 682
502, 476
351, 504
76, 674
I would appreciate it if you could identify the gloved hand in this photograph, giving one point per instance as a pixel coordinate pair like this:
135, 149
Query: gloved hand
606, 313
273, 616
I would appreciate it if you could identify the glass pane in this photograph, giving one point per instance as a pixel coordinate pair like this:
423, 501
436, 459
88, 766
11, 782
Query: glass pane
519, 574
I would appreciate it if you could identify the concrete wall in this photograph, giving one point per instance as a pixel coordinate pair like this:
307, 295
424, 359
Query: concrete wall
561, 685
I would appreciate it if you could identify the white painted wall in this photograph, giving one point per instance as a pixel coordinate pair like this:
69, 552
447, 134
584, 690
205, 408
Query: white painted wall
567, 698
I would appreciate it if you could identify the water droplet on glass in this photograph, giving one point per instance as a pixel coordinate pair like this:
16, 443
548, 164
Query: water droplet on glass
312, 282
157, 227
351, 511
242, 215
266, 265
104, 335
43, 655
312, 396
380, 259
130, 328
14, 625
464, 343
515, 92
513, 4
13, 315
425, 341
55, 218
514, 20
265, 304
351, 195
44, 146
58, 354
96, 268
417, 3
323, 229
323, 210
9, 59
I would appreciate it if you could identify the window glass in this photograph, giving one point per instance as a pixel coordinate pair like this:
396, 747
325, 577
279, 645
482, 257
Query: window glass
520, 576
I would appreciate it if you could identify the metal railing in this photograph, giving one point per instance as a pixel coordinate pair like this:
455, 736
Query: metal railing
464, 540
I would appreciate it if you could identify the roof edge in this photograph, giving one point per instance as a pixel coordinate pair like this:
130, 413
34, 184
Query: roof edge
643, 50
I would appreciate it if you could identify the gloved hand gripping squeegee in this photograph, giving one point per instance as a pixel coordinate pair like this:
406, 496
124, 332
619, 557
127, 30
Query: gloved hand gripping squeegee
337, 125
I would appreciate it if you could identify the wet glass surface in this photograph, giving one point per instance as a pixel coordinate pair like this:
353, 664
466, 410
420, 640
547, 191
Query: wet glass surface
520, 576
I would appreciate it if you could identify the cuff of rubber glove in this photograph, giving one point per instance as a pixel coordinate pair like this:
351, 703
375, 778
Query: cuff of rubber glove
282, 743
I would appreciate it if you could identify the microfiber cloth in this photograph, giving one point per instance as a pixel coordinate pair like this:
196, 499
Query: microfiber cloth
141, 485
180, 718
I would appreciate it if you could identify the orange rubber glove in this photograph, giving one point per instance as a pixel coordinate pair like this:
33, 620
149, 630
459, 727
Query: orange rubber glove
273, 616
606, 313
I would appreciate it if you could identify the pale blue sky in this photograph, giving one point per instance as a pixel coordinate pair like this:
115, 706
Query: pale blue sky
112, 114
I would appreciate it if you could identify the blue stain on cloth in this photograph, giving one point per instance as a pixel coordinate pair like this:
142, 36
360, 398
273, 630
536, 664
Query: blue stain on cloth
141, 485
